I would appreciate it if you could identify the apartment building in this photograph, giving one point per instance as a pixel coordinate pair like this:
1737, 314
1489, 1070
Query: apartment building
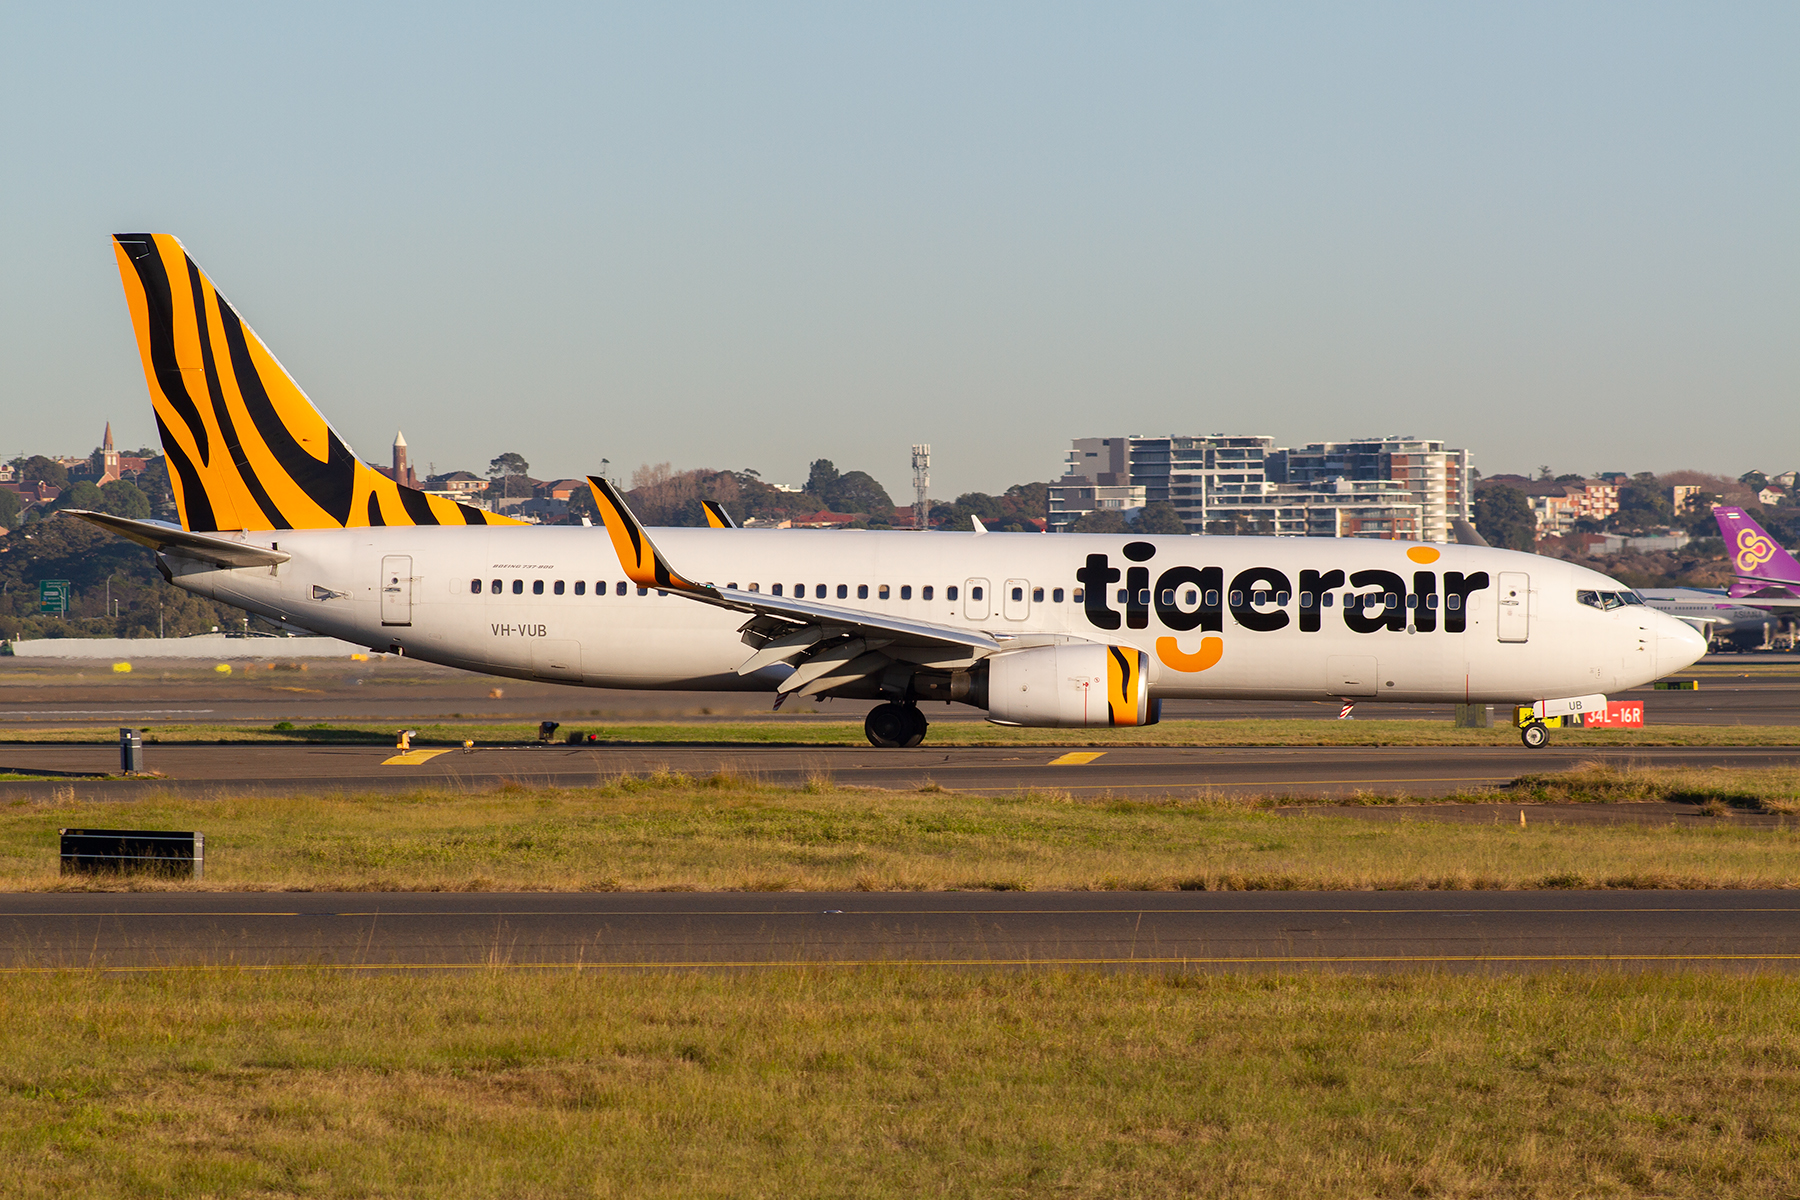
1402, 488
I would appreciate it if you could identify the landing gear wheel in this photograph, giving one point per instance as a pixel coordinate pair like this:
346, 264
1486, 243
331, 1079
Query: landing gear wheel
886, 725
1536, 735
894, 725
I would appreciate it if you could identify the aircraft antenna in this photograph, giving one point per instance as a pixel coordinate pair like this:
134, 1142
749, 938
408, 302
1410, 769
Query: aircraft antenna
921, 464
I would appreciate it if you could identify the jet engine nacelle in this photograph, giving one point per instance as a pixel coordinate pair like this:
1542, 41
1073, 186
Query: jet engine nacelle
1071, 684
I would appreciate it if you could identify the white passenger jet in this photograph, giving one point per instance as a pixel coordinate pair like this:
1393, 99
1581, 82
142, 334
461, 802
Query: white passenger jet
280, 518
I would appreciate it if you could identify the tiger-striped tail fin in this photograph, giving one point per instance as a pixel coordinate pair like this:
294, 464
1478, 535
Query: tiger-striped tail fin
716, 516
246, 447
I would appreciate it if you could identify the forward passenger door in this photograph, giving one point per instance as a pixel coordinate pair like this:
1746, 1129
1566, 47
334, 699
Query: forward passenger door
1514, 621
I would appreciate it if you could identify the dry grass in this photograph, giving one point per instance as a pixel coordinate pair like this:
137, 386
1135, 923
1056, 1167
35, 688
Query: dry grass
727, 832
899, 1082
1718, 792
780, 730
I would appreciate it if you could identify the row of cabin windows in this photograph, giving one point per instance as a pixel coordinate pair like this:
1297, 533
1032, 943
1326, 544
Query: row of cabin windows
821, 591
1280, 599
497, 587
1190, 598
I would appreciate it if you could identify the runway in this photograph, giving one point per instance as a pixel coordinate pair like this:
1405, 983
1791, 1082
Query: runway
1749, 689
1342, 931
1146, 771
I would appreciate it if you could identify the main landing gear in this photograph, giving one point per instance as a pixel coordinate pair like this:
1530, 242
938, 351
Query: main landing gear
1535, 735
894, 724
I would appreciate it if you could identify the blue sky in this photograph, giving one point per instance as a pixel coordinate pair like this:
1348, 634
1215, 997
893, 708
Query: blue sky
749, 236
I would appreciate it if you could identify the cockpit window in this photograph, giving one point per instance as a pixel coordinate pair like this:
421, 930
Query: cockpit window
1607, 600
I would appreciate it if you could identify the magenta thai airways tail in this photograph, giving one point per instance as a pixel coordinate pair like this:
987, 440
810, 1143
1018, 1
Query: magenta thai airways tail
1759, 564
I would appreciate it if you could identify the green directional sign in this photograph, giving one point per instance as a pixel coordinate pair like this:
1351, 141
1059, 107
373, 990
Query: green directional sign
53, 596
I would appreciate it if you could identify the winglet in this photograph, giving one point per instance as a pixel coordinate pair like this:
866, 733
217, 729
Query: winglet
716, 516
643, 562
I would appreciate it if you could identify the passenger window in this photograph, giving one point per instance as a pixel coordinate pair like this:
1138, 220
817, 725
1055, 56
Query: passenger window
495, 587
882, 592
1192, 598
1124, 596
1306, 599
1037, 595
518, 587
1453, 602
949, 593
1327, 599
558, 587
906, 591
925, 592
1412, 602
775, 589
799, 591
820, 591
1237, 599
1281, 599
1144, 597
1077, 596
581, 587
537, 587
844, 592
1212, 599
862, 591
474, 587
1259, 597
1056, 596
1390, 601
756, 587
1350, 601
1017, 594
974, 594
643, 591
1431, 601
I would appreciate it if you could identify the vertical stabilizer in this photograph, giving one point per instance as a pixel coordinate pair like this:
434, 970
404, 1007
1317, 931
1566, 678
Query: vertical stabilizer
1756, 560
246, 448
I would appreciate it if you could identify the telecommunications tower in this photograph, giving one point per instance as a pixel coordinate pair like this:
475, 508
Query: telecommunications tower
921, 459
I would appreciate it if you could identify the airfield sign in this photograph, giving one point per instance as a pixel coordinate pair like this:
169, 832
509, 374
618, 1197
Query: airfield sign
53, 596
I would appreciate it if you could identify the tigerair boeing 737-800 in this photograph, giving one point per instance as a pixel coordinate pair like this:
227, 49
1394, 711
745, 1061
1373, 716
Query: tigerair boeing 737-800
280, 518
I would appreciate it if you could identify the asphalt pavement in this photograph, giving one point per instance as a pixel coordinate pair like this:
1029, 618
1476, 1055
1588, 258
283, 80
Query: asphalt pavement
1341, 931
1146, 771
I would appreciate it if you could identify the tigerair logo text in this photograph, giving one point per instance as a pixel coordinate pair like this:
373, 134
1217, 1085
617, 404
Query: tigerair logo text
1753, 550
1187, 598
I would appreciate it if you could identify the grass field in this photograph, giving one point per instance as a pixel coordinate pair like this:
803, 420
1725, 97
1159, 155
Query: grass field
779, 731
673, 832
900, 1083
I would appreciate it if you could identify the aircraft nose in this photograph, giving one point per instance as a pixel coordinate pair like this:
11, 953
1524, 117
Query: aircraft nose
1678, 644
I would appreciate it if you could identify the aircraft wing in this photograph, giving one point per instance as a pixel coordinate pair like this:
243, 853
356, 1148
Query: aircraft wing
172, 539
830, 646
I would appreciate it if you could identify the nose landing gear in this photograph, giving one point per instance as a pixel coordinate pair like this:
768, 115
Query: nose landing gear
896, 725
1535, 735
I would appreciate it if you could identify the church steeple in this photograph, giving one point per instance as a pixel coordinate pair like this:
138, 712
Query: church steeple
403, 473
109, 458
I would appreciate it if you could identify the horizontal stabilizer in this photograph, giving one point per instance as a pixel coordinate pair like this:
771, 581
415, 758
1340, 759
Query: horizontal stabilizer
170, 539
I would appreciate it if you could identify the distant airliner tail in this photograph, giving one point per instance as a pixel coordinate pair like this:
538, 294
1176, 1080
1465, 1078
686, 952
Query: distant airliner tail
1760, 565
246, 448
